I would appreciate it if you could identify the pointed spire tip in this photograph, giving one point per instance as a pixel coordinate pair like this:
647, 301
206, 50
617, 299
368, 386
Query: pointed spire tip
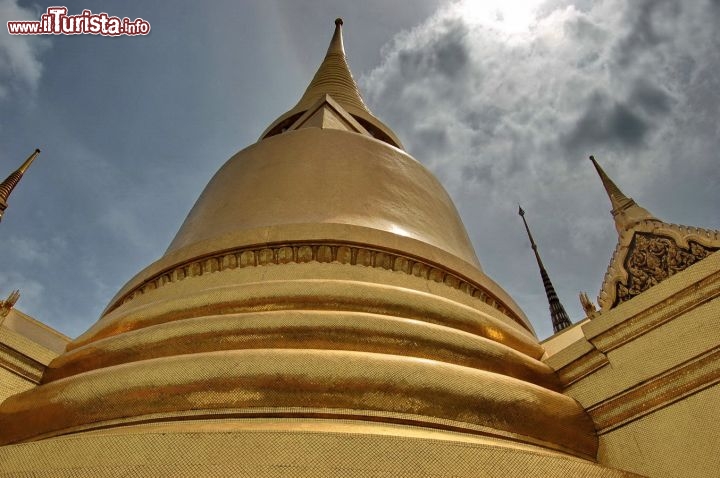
617, 198
624, 210
333, 78
336, 43
7, 186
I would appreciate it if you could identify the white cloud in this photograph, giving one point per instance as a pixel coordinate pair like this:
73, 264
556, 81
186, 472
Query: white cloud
506, 115
20, 65
28, 250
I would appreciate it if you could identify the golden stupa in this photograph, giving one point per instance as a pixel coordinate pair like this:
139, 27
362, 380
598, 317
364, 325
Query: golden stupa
321, 312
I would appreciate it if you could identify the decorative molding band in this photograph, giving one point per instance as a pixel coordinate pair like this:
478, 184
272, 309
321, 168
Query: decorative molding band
582, 367
21, 365
677, 304
343, 253
690, 377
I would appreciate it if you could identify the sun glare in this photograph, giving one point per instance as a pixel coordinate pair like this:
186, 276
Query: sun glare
507, 16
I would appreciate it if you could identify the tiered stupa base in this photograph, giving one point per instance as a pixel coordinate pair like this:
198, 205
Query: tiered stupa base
288, 447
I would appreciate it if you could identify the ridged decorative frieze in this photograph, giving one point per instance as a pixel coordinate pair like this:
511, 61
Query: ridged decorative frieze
582, 367
664, 311
688, 378
21, 365
299, 253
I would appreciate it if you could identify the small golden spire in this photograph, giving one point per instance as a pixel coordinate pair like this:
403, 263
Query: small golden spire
7, 186
336, 44
625, 210
333, 78
617, 198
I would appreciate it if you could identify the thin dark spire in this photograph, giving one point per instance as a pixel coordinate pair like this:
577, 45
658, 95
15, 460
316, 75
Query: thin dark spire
7, 186
559, 317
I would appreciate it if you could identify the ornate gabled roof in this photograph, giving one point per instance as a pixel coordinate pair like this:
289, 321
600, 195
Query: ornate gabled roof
648, 250
334, 78
7, 186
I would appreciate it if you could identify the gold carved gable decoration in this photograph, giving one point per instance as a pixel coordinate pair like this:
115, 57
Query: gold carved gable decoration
650, 253
651, 259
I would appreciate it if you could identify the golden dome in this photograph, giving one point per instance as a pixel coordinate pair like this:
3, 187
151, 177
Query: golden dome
323, 277
326, 176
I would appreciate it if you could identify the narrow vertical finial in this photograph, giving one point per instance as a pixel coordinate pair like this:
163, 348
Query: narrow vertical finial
336, 43
7, 186
559, 317
521, 212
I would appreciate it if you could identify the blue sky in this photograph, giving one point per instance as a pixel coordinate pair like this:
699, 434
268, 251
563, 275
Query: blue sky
503, 103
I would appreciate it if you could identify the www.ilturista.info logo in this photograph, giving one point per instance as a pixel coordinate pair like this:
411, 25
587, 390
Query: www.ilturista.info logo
57, 22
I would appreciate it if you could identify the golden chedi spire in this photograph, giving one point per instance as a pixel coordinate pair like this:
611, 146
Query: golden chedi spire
334, 78
7, 186
648, 250
321, 304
